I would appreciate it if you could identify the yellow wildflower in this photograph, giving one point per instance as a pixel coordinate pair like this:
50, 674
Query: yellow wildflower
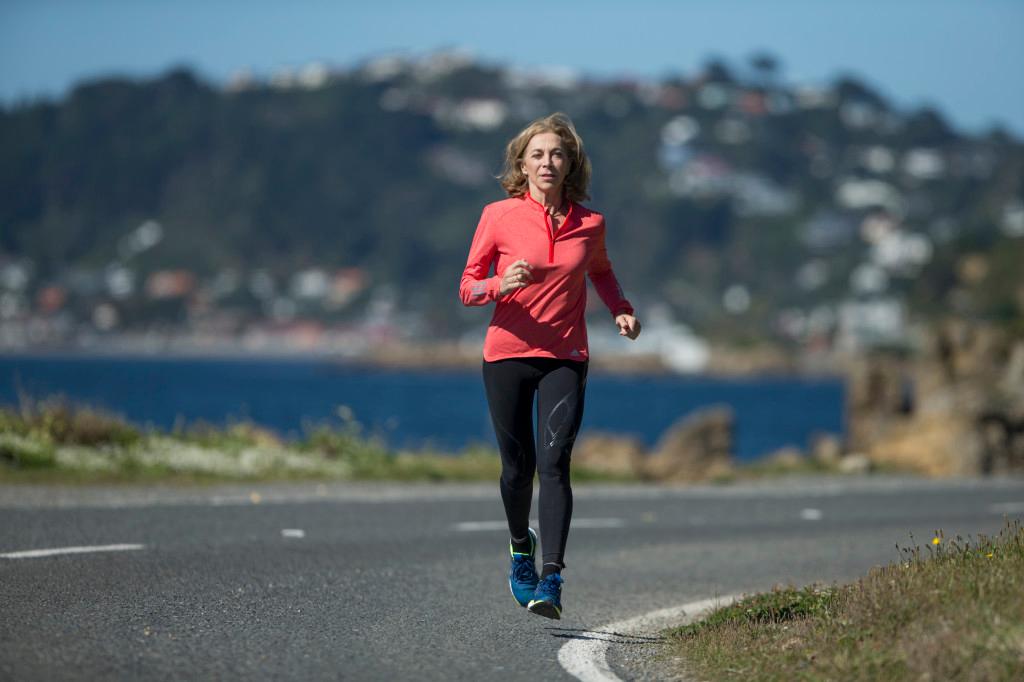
989, 555
936, 541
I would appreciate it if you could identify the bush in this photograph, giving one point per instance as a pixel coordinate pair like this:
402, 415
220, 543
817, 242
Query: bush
232, 438
26, 453
60, 422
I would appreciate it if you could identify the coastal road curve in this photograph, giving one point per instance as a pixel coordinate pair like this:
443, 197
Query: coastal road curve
394, 582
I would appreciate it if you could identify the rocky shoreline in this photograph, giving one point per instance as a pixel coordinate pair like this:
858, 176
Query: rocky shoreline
955, 407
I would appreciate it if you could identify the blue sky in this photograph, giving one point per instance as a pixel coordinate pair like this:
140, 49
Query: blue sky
964, 57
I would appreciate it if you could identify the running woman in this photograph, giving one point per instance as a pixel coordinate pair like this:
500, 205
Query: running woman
542, 243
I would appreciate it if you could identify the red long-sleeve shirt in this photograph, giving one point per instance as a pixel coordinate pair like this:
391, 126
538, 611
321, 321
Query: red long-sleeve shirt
546, 317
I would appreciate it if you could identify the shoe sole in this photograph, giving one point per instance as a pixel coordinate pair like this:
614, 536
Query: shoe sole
546, 609
533, 538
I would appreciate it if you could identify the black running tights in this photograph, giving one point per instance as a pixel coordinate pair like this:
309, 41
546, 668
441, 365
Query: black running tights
559, 386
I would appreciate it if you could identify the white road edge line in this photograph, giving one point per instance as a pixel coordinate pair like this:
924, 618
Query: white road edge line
471, 526
586, 658
35, 553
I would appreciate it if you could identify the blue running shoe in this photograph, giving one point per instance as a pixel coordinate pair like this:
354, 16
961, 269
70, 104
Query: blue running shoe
547, 600
522, 577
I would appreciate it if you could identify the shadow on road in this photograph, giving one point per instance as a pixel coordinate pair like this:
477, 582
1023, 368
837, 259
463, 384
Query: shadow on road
602, 635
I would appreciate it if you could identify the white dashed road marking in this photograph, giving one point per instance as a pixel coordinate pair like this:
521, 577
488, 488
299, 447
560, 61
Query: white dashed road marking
293, 533
811, 514
470, 526
598, 523
585, 657
36, 553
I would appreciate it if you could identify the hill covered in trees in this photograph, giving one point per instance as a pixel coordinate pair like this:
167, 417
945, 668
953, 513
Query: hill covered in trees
737, 203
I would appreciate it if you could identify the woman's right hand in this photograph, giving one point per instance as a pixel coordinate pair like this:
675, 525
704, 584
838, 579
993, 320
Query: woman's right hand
516, 276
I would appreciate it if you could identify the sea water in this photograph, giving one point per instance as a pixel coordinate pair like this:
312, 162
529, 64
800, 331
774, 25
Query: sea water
445, 410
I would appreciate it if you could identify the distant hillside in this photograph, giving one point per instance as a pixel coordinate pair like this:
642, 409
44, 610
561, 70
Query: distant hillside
743, 207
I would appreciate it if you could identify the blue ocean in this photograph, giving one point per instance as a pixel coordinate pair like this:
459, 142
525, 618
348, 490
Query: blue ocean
411, 408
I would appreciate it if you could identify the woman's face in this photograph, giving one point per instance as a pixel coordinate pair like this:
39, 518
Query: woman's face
545, 162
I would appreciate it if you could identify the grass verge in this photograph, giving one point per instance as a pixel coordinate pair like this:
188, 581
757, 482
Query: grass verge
55, 441
951, 611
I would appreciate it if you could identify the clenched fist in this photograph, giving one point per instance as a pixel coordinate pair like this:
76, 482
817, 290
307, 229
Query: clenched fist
628, 326
516, 276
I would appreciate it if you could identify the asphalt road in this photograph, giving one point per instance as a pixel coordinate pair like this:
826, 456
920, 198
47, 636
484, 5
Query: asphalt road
409, 582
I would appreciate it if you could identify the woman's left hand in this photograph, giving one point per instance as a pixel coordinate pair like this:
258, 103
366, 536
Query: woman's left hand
628, 325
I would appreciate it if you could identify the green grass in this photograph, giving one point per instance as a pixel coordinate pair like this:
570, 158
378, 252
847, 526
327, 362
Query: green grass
759, 469
54, 440
953, 610
59, 442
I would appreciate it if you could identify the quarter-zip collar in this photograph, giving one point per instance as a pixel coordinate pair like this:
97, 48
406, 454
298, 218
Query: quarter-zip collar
547, 222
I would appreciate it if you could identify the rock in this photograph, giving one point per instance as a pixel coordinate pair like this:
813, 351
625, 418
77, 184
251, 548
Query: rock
880, 389
1001, 431
954, 407
855, 463
784, 458
936, 444
1013, 376
608, 454
826, 449
697, 447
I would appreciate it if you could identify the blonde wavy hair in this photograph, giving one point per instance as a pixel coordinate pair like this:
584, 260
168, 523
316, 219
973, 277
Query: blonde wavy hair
576, 183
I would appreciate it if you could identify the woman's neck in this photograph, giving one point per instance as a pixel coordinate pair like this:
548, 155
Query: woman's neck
551, 201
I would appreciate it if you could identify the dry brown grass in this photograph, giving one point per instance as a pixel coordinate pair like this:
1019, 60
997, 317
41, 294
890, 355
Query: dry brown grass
953, 610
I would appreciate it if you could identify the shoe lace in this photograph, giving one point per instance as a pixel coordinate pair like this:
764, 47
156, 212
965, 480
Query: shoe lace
550, 586
524, 569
